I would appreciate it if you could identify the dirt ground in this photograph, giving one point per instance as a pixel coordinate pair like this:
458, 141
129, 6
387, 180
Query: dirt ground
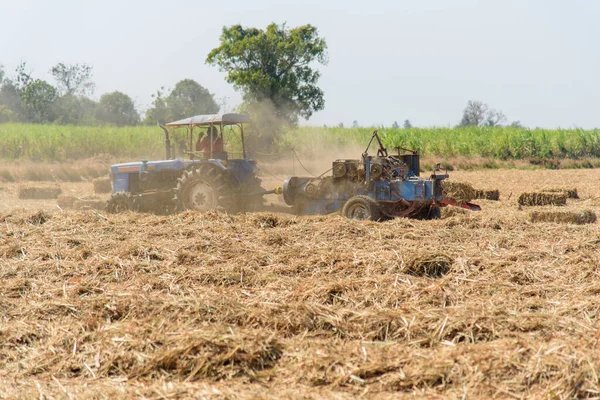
476, 305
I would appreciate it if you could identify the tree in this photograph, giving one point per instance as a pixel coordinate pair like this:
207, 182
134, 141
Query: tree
38, 99
355, 124
395, 125
158, 113
118, 109
10, 100
189, 98
73, 79
76, 110
274, 65
24, 78
516, 124
476, 113
407, 124
495, 118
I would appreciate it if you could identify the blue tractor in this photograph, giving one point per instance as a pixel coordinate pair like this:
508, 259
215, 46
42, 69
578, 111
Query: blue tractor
216, 174
372, 188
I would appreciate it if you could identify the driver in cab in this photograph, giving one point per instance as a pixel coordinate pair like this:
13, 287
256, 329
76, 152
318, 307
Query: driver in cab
212, 135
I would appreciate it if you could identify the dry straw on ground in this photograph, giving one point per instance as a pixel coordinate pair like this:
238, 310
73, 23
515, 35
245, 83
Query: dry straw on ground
39, 192
448, 212
274, 306
458, 191
89, 204
567, 217
542, 199
102, 185
269, 306
485, 194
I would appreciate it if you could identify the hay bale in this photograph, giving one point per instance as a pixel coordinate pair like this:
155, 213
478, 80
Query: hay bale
564, 217
458, 191
89, 204
66, 201
432, 265
484, 194
102, 185
542, 199
570, 192
39, 193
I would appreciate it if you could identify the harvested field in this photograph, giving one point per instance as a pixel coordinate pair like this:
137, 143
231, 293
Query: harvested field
447, 212
476, 305
89, 204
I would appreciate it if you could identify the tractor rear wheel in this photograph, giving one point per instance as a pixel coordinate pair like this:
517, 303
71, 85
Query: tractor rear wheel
362, 208
119, 202
204, 189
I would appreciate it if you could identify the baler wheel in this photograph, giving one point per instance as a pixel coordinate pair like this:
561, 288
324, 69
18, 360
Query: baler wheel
119, 202
362, 208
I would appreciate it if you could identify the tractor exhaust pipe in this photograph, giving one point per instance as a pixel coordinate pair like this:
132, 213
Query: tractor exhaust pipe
167, 143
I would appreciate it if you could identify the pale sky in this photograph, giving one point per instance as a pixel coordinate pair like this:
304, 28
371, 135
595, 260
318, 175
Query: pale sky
537, 60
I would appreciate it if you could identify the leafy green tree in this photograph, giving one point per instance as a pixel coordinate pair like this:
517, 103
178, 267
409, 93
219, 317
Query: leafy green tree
189, 98
73, 79
76, 110
407, 124
6, 115
118, 109
10, 100
158, 113
274, 66
395, 125
38, 99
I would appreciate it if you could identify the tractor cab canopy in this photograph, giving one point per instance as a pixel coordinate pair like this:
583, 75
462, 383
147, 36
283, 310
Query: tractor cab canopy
216, 119
213, 136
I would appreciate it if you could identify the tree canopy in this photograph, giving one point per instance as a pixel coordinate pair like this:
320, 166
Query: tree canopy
477, 113
274, 65
73, 79
118, 109
188, 98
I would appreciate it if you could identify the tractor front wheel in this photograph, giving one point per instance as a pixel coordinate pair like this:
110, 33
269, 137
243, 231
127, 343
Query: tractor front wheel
203, 189
362, 208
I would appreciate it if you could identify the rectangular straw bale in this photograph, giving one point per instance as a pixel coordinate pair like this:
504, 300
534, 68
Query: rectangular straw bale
38, 193
565, 217
458, 191
570, 192
542, 199
493, 194
102, 185
66, 201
